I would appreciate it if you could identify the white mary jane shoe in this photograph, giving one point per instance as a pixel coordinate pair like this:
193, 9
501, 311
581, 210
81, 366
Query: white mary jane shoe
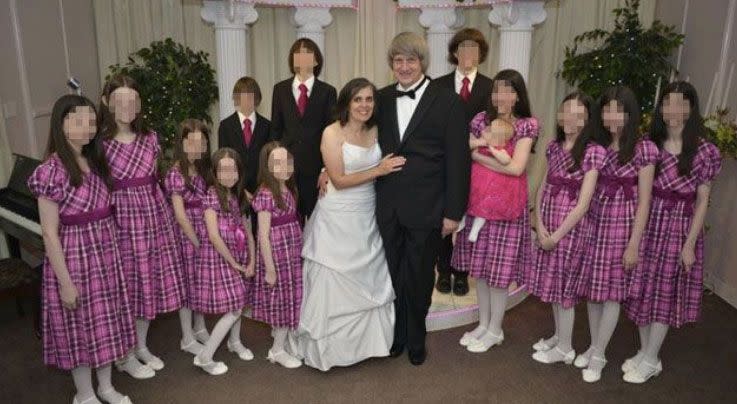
554, 355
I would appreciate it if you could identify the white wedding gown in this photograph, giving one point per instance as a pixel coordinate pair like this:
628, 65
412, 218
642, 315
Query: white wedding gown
347, 309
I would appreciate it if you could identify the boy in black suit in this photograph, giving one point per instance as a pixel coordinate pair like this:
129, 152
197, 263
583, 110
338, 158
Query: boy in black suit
302, 106
246, 131
466, 50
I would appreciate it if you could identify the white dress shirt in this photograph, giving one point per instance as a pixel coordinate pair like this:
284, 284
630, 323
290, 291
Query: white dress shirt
295, 87
406, 106
251, 117
459, 80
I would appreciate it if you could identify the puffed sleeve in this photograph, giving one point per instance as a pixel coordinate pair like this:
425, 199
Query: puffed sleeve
174, 182
49, 181
646, 153
263, 201
527, 127
478, 123
708, 162
593, 158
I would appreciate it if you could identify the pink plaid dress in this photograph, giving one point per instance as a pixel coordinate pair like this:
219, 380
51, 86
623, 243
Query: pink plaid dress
218, 288
192, 196
555, 274
503, 248
669, 294
279, 305
151, 257
101, 328
612, 215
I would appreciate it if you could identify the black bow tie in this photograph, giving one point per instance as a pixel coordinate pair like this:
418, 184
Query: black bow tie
411, 93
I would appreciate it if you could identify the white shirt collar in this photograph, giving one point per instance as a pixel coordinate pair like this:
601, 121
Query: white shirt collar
252, 117
471, 76
309, 83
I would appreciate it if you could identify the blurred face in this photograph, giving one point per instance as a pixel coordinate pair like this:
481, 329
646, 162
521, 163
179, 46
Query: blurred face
281, 164
244, 102
304, 62
614, 117
572, 116
227, 172
407, 69
125, 104
80, 126
362, 105
467, 55
503, 97
194, 145
675, 109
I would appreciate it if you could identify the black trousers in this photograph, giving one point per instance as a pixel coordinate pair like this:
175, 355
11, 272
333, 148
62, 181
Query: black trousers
307, 190
446, 251
411, 256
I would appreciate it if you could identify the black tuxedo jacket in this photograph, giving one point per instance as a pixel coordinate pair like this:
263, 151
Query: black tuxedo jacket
434, 181
480, 93
302, 136
230, 134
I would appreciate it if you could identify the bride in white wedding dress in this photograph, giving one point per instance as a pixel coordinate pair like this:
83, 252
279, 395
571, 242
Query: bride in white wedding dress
347, 308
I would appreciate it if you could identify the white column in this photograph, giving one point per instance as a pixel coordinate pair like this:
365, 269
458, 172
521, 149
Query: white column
311, 23
231, 20
516, 21
441, 24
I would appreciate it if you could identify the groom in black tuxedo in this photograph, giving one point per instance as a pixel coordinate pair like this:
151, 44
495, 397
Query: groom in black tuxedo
417, 206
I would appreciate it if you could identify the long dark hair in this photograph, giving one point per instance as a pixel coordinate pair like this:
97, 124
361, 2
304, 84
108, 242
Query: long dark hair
625, 97
693, 130
266, 178
512, 78
59, 144
343, 105
201, 165
587, 132
222, 191
108, 127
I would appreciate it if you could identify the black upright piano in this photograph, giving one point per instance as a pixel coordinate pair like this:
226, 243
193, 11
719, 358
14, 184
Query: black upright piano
19, 209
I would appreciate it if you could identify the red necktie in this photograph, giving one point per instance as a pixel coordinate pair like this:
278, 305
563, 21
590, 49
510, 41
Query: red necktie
465, 92
247, 132
302, 100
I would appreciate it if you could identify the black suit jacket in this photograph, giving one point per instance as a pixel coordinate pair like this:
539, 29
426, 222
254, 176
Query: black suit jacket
302, 136
230, 134
434, 181
480, 93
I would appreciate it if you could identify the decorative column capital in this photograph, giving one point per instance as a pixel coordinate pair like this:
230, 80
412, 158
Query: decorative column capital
441, 19
228, 14
310, 19
518, 15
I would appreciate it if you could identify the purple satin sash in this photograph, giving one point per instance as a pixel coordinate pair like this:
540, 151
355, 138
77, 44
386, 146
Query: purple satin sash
87, 217
560, 183
672, 198
193, 204
610, 184
286, 219
135, 182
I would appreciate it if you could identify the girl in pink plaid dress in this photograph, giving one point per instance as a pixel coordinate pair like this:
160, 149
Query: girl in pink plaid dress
146, 231
673, 245
503, 247
278, 284
224, 260
185, 185
87, 318
618, 213
563, 228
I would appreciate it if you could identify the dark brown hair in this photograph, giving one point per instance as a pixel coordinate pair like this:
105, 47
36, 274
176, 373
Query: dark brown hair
631, 130
311, 46
248, 85
201, 165
468, 34
223, 192
108, 127
266, 178
693, 130
511, 78
347, 93
59, 144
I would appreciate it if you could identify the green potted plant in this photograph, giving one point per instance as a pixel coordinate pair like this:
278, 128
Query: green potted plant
175, 83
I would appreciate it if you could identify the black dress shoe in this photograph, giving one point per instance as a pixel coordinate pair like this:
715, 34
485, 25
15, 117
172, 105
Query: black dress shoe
460, 285
417, 358
396, 350
443, 284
